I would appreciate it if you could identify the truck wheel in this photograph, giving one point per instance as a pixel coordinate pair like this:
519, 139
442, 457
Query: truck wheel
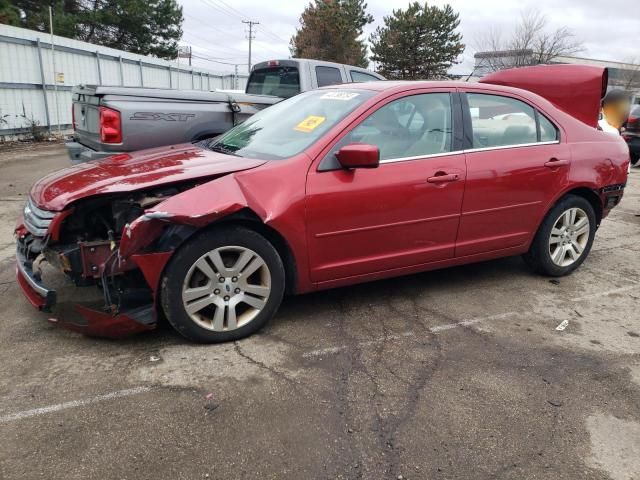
564, 239
223, 285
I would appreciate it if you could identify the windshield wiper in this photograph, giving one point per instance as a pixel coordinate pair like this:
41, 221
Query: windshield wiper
217, 147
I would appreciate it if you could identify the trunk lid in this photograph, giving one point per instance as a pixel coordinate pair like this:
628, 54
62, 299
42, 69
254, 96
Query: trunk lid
574, 89
136, 171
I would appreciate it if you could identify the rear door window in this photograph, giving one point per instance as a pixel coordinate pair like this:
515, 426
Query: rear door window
499, 121
328, 76
281, 81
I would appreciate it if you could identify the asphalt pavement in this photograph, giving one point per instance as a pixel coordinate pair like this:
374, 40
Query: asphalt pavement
453, 374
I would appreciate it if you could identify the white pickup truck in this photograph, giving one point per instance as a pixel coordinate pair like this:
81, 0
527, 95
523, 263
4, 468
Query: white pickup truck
111, 120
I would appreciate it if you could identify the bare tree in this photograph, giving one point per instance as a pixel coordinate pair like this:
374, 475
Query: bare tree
531, 42
630, 77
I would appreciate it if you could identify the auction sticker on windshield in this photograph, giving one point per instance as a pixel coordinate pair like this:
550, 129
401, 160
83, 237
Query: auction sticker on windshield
310, 123
344, 96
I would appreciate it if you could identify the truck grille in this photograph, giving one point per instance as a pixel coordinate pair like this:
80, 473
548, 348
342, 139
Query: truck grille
36, 220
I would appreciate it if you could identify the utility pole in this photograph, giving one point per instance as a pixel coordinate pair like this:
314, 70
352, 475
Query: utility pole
251, 37
53, 71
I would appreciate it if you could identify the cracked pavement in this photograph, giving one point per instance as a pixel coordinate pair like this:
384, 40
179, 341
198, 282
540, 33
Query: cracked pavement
452, 374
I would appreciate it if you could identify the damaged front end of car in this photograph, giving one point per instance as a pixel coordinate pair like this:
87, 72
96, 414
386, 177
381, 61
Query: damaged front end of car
93, 244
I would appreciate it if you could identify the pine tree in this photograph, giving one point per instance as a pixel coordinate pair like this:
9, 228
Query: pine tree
420, 42
147, 27
330, 30
9, 14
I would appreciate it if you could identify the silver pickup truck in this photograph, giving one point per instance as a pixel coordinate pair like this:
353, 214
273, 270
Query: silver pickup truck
111, 120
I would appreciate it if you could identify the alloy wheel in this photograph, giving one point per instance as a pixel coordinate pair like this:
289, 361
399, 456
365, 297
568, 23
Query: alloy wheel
569, 237
226, 288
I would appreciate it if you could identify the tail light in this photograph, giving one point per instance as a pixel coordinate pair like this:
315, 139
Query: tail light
633, 122
110, 126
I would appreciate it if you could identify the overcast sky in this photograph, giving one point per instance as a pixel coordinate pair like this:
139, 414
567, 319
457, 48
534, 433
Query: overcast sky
610, 30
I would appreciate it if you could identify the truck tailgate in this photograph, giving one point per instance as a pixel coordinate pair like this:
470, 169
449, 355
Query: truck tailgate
86, 116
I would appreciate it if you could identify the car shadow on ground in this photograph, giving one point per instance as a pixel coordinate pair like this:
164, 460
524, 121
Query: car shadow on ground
322, 304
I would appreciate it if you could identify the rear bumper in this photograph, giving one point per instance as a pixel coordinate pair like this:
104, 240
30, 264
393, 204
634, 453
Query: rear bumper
79, 153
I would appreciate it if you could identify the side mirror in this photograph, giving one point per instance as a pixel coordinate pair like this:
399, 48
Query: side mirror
359, 155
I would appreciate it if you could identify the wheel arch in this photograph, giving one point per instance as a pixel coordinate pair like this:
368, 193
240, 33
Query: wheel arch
249, 219
177, 234
588, 194
585, 192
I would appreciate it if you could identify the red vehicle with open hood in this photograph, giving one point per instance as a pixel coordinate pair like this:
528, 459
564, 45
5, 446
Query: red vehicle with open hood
332, 187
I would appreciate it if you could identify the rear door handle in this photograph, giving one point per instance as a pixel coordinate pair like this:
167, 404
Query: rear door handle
442, 177
554, 162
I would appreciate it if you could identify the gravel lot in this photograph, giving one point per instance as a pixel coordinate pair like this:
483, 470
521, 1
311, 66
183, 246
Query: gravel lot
453, 374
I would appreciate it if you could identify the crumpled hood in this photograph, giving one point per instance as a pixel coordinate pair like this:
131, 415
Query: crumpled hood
134, 171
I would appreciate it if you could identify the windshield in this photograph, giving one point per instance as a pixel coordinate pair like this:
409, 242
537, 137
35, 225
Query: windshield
289, 127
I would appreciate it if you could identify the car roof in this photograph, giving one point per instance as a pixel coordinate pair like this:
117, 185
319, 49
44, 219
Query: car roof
399, 86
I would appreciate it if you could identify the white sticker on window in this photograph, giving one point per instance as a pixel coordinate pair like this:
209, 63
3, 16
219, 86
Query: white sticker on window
344, 96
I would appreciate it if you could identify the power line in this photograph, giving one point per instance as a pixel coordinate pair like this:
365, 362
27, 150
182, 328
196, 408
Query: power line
208, 59
244, 17
221, 9
228, 10
212, 27
226, 50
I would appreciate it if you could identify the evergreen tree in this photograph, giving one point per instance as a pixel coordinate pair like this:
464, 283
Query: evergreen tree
420, 42
330, 30
9, 14
147, 27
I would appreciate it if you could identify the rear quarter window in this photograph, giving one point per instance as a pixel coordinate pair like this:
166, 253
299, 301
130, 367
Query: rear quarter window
548, 131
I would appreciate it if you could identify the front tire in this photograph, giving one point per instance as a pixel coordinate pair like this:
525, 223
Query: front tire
223, 285
564, 239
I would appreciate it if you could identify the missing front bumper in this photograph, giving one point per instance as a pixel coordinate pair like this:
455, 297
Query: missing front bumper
94, 322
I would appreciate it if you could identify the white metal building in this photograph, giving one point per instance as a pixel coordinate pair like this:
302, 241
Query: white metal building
36, 79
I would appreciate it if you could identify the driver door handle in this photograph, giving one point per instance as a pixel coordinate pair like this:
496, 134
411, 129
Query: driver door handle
442, 177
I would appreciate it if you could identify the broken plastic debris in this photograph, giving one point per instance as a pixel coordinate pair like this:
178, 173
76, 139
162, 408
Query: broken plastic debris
563, 325
209, 396
153, 358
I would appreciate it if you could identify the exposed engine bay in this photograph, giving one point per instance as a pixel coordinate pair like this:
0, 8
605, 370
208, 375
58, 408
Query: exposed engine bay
85, 246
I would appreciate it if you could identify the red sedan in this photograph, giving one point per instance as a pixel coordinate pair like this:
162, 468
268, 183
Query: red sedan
329, 188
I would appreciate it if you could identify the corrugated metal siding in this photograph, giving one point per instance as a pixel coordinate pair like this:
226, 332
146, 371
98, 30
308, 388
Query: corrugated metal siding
21, 83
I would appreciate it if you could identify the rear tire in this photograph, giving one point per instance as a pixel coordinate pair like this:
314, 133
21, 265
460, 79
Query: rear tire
223, 285
564, 238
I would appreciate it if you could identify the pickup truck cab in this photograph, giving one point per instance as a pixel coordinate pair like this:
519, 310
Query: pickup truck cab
286, 78
112, 120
